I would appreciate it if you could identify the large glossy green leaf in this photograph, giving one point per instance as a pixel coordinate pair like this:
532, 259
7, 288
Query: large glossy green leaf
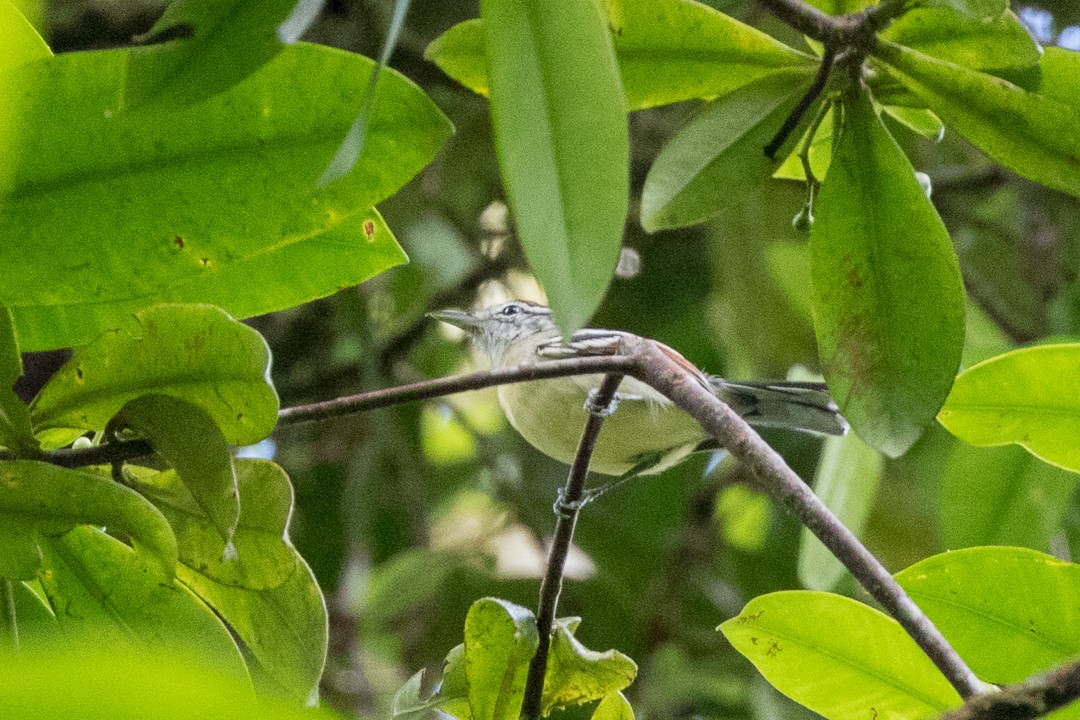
668, 51
563, 144
218, 43
1009, 612
1001, 496
577, 675
38, 499
16, 432
1001, 46
1037, 135
500, 639
847, 480
108, 211
1060, 69
1030, 397
105, 596
104, 684
838, 657
283, 628
264, 556
718, 157
21, 42
888, 298
193, 352
185, 436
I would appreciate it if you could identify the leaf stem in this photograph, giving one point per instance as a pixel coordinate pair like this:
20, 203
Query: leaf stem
792, 120
567, 509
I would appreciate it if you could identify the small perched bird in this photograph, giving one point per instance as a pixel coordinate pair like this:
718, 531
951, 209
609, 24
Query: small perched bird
647, 433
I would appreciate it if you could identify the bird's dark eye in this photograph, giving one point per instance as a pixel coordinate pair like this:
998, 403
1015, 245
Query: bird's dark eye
510, 310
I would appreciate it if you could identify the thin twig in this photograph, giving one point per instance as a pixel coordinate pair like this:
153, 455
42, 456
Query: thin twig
789, 491
568, 506
1038, 696
795, 117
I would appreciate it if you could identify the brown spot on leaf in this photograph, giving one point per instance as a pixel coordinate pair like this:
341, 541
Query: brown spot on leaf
369, 229
179, 242
204, 261
79, 372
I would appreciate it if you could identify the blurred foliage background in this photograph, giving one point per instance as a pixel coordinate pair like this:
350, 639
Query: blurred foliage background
407, 515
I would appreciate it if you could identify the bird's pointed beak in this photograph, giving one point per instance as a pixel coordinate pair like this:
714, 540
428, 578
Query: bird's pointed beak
458, 318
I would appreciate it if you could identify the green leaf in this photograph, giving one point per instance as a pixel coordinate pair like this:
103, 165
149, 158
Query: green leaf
500, 639
450, 692
16, 432
838, 657
218, 44
842, 7
718, 157
185, 436
888, 298
576, 675
1009, 612
563, 145
21, 42
918, 120
667, 50
1001, 46
103, 683
1036, 135
41, 499
1061, 75
283, 628
614, 707
1001, 496
214, 202
104, 596
193, 352
973, 9
1028, 397
847, 480
265, 557
820, 154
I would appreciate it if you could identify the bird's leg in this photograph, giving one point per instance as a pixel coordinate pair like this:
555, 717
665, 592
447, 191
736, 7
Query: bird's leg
605, 411
589, 494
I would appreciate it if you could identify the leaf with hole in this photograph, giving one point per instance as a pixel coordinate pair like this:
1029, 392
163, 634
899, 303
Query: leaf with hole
211, 202
185, 436
838, 657
888, 297
718, 157
197, 353
39, 500
563, 144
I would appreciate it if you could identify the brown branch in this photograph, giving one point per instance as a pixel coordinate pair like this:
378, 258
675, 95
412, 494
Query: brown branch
1038, 696
568, 506
789, 491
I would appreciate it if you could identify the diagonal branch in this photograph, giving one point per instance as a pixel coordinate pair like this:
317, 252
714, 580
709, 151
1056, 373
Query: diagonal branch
568, 506
788, 490
1038, 696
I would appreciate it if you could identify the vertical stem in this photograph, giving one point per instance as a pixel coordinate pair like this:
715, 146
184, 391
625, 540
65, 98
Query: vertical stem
567, 509
7, 600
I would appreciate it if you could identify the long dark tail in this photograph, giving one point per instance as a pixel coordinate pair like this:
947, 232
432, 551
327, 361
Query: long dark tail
804, 406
